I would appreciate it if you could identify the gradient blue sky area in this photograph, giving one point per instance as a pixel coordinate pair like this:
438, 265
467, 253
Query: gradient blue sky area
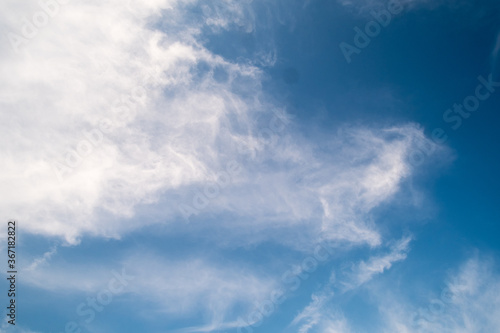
220, 166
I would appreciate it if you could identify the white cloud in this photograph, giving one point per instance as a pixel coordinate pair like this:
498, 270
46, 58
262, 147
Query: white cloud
470, 303
86, 65
41, 260
365, 271
174, 127
183, 286
15, 329
178, 287
312, 314
336, 325
321, 315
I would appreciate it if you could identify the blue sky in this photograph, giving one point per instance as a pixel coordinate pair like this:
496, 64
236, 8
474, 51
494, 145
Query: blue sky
225, 166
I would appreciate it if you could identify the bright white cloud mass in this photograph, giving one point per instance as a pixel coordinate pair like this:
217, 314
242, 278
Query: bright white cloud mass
122, 124
120, 114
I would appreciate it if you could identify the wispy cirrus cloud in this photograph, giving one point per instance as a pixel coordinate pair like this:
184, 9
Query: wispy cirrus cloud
323, 313
178, 287
470, 303
41, 260
321, 316
365, 271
